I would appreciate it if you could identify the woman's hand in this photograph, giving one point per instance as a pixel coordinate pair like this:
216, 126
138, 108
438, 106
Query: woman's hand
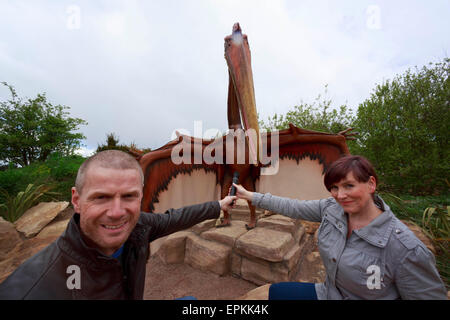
241, 193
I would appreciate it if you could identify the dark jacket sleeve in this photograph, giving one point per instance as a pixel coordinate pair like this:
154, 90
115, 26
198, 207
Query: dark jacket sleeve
26, 281
174, 220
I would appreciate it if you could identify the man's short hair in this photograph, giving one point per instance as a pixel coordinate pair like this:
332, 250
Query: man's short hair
111, 159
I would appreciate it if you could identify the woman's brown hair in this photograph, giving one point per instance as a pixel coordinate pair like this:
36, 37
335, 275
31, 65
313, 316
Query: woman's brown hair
361, 167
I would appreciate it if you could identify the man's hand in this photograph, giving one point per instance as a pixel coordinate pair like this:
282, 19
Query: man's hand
226, 203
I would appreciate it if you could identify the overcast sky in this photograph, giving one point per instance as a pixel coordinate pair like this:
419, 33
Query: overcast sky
142, 69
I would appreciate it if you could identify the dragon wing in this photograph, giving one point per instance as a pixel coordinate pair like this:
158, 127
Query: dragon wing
169, 182
303, 157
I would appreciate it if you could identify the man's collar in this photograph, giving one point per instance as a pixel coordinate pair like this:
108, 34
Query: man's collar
72, 243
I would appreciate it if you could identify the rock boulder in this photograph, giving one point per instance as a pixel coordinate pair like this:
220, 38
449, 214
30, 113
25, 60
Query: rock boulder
226, 235
53, 229
9, 238
267, 244
278, 222
207, 255
37, 217
260, 293
173, 248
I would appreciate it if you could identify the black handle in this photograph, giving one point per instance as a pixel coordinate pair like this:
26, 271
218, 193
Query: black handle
233, 188
236, 181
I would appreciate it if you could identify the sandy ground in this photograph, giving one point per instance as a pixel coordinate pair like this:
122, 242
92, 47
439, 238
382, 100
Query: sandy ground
168, 282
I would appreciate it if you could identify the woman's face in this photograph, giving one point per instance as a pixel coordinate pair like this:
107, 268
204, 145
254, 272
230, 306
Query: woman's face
353, 196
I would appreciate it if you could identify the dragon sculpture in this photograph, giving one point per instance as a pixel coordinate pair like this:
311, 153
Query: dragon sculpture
300, 156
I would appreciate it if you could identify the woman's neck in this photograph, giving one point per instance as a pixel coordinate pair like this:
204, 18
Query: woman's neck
361, 219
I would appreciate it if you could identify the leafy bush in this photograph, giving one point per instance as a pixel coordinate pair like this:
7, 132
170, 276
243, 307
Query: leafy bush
112, 143
404, 130
57, 172
14, 206
317, 116
436, 220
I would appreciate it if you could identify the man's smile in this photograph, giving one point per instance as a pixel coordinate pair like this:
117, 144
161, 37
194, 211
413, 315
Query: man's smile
114, 226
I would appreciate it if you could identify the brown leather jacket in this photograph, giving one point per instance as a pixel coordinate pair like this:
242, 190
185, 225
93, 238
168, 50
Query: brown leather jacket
50, 273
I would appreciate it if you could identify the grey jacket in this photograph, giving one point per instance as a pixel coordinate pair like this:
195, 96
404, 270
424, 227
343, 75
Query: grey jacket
383, 260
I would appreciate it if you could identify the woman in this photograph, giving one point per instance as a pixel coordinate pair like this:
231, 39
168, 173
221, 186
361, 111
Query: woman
367, 252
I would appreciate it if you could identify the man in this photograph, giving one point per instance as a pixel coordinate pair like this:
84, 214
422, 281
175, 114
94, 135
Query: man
104, 250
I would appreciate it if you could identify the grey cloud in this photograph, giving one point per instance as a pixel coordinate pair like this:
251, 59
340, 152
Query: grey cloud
141, 69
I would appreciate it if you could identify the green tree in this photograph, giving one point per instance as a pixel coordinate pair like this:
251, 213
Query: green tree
112, 143
31, 130
404, 129
318, 116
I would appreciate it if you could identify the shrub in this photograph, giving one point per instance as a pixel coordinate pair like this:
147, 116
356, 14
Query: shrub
14, 206
404, 130
57, 172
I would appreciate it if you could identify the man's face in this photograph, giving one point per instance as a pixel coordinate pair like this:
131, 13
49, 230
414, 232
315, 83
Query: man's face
109, 206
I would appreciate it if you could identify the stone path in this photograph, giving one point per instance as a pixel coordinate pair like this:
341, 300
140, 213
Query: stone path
171, 281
